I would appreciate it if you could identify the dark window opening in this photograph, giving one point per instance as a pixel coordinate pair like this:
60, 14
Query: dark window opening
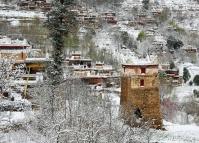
89, 65
141, 82
138, 113
143, 70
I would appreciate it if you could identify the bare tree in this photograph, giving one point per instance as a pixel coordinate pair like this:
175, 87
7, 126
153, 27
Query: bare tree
80, 116
9, 73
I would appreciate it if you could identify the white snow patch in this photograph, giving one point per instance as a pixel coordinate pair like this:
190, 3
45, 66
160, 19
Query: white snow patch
193, 70
8, 118
182, 133
130, 30
15, 23
21, 13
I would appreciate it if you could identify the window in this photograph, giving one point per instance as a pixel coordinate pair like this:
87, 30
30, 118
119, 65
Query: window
137, 113
89, 65
143, 70
124, 69
142, 82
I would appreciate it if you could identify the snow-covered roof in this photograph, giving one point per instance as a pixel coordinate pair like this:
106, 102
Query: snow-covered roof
35, 60
20, 14
8, 42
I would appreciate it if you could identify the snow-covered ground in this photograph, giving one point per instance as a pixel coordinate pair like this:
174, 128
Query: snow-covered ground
183, 93
130, 30
174, 2
192, 68
9, 118
131, 3
181, 133
20, 14
14, 117
19, 136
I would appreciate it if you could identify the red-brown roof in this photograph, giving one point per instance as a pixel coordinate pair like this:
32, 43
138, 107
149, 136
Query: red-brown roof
144, 65
12, 47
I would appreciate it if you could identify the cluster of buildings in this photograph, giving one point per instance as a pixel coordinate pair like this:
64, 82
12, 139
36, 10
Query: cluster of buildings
90, 16
83, 15
44, 5
19, 51
170, 76
140, 100
144, 19
34, 61
93, 73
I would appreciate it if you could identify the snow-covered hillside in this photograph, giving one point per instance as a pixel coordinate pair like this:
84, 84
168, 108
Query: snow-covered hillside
107, 39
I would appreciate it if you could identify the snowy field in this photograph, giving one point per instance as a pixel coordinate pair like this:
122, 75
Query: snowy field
181, 133
20, 136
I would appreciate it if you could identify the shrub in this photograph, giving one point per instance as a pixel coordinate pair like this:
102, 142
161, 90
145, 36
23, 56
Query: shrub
177, 28
173, 43
196, 80
186, 75
164, 15
145, 4
171, 65
162, 75
125, 37
141, 36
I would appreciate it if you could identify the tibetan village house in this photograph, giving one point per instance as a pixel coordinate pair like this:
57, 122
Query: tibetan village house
140, 98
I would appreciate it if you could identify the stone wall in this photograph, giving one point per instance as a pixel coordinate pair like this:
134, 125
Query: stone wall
149, 81
136, 70
146, 99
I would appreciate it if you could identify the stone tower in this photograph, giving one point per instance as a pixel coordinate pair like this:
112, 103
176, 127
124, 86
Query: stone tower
140, 99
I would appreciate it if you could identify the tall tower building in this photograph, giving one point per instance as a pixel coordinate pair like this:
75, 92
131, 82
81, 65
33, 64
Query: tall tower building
140, 98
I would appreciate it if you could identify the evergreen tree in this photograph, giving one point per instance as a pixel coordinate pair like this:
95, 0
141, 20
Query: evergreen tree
173, 43
60, 22
125, 38
171, 65
145, 4
186, 75
196, 80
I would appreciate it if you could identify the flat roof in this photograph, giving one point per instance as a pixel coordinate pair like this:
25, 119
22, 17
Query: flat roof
33, 60
139, 65
79, 60
13, 46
